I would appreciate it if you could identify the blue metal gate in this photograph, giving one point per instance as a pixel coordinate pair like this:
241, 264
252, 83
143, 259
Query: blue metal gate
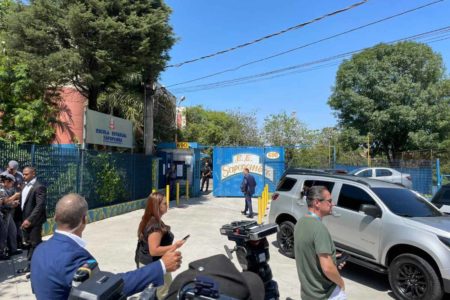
229, 163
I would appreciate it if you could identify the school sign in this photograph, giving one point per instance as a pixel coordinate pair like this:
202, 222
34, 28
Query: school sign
266, 164
107, 130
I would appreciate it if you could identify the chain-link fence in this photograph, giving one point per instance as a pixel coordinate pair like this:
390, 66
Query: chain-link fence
102, 178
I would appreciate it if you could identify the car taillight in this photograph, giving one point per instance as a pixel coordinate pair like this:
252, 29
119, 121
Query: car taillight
275, 196
409, 178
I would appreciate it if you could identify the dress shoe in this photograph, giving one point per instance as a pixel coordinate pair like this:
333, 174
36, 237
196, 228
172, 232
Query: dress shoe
243, 212
250, 216
4, 257
24, 270
17, 252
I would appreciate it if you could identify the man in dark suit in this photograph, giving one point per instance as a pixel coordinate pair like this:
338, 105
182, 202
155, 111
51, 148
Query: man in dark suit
33, 202
55, 262
248, 188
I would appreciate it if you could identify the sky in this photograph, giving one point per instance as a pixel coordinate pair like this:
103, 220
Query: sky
204, 27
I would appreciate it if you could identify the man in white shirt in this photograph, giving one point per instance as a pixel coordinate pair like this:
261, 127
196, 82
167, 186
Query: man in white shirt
33, 202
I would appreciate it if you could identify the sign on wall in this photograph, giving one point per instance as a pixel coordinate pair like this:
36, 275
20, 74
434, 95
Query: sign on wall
266, 164
107, 130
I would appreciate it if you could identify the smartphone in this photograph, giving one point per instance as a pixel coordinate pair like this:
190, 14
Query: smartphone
186, 237
342, 258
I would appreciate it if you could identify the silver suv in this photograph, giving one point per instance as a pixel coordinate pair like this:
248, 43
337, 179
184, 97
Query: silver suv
381, 225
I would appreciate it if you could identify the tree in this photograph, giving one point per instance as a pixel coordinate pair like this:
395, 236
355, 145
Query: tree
396, 93
26, 113
287, 131
284, 130
92, 44
216, 128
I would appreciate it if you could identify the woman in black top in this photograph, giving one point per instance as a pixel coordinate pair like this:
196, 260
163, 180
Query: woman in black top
155, 237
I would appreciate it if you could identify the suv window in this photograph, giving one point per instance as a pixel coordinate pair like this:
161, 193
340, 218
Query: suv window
351, 197
286, 184
382, 172
365, 173
309, 183
405, 203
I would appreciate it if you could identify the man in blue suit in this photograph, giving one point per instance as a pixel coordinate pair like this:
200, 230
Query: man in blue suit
248, 188
55, 262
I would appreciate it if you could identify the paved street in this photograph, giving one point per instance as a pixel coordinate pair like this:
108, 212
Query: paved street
112, 242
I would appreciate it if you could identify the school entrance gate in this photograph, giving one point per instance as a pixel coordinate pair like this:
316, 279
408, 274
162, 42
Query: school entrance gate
229, 163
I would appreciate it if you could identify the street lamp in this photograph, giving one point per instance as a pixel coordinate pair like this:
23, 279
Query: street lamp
177, 103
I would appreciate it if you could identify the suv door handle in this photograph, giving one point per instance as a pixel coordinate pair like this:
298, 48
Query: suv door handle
335, 214
301, 202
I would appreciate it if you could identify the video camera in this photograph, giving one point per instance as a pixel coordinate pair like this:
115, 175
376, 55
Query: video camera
252, 251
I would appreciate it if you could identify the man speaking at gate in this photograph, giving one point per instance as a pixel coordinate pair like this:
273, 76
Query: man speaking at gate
55, 262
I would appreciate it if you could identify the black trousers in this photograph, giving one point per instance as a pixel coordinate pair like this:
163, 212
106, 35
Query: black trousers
33, 237
205, 179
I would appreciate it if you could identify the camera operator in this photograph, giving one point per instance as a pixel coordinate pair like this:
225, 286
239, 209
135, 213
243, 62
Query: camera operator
55, 262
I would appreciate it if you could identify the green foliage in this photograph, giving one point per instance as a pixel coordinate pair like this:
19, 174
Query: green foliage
91, 44
26, 115
397, 93
287, 131
109, 183
217, 128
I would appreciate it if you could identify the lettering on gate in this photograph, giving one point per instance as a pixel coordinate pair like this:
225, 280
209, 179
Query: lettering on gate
245, 160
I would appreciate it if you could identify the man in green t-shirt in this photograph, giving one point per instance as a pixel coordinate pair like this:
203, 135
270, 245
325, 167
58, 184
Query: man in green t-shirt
315, 254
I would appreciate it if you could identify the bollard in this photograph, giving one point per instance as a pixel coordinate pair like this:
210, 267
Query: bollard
178, 194
260, 210
167, 195
187, 189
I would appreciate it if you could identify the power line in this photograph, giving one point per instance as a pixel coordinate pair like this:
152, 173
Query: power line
308, 44
433, 36
270, 35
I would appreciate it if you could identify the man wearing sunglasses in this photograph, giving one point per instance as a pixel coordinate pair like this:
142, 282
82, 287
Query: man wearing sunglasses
315, 254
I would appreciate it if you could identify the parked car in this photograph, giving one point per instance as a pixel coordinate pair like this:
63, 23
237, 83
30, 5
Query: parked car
385, 174
382, 226
442, 199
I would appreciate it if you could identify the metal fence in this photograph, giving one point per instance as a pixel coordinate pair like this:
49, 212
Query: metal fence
422, 177
103, 178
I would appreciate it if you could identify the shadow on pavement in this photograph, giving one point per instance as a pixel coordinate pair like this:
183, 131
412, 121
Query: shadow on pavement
9, 267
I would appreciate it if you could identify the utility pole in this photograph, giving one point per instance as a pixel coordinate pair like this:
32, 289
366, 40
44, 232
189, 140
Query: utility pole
149, 92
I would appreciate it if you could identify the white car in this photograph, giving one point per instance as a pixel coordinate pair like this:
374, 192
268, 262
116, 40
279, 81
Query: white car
385, 174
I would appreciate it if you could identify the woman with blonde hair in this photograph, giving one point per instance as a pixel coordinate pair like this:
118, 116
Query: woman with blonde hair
155, 237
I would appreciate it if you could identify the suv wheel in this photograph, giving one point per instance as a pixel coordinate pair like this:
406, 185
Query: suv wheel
285, 238
412, 277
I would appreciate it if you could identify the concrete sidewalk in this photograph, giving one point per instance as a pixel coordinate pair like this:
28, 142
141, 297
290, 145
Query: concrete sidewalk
112, 242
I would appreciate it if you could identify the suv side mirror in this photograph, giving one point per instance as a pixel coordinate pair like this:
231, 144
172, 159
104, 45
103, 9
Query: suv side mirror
370, 210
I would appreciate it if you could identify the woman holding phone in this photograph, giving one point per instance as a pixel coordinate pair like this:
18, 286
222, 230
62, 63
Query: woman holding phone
155, 237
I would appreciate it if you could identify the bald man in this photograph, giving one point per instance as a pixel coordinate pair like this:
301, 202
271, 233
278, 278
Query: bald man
55, 262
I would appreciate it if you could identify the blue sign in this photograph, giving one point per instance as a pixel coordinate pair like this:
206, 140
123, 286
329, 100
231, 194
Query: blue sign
266, 164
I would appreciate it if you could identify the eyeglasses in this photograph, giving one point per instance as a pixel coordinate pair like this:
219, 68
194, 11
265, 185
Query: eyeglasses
328, 200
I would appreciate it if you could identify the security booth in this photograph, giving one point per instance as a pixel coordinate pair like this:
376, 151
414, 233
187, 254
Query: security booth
185, 156
229, 164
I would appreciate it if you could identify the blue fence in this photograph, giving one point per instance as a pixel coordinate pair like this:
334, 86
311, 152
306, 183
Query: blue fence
422, 177
102, 178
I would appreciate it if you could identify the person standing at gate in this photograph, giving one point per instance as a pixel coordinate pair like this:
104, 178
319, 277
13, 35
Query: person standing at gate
248, 188
172, 178
206, 174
